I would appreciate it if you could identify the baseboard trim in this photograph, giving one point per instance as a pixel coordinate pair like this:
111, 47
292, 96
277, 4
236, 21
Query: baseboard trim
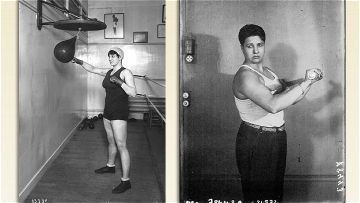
287, 177
331, 178
38, 175
95, 112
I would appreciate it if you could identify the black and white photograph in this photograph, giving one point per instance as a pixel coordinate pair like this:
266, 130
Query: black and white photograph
262, 101
91, 102
115, 25
189, 101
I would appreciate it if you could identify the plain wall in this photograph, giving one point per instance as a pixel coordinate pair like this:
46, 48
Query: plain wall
139, 16
300, 35
141, 59
52, 95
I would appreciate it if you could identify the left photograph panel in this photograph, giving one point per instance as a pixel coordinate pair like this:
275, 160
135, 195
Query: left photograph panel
91, 106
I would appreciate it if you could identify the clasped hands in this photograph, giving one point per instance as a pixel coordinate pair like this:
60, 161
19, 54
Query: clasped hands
313, 74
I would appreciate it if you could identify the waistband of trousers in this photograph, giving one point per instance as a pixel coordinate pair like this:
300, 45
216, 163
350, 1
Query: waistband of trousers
267, 129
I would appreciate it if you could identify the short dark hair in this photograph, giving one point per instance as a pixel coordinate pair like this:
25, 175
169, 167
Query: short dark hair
249, 30
112, 52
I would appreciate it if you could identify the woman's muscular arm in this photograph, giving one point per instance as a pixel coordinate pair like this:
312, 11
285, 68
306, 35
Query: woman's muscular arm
127, 83
90, 68
247, 83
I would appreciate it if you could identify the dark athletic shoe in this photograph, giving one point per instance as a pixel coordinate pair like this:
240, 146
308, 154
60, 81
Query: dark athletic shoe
122, 187
105, 169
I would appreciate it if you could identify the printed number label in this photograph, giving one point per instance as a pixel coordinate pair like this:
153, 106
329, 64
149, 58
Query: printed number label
39, 200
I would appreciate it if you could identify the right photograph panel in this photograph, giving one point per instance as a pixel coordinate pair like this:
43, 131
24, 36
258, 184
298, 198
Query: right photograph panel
262, 108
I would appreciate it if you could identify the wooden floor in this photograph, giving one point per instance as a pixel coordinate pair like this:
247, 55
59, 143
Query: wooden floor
71, 176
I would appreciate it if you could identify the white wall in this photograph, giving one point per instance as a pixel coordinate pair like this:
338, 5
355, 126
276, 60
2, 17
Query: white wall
52, 95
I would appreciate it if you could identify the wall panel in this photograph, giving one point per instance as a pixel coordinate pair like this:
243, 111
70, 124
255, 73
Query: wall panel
138, 16
52, 95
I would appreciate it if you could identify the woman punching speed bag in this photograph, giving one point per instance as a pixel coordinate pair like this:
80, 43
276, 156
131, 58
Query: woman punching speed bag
64, 51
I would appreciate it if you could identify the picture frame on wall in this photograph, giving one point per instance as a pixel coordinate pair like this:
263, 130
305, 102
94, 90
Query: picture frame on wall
161, 31
140, 37
163, 14
115, 26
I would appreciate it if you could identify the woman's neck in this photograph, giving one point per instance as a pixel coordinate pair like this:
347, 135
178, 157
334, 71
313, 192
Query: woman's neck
257, 66
117, 66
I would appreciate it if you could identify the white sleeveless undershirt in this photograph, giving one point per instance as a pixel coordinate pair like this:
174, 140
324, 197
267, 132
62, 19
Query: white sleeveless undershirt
253, 113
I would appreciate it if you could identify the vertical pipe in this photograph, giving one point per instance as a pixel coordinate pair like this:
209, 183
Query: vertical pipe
39, 14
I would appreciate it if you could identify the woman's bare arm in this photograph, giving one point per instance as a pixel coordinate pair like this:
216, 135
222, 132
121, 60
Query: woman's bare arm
129, 84
90, 68
247, 83
300, 82
126, 81
289, 84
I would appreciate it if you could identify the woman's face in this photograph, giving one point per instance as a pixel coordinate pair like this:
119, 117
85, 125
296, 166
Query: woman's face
253, 49
113, 59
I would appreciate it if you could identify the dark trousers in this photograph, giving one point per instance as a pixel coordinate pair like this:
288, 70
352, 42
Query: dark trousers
261, 160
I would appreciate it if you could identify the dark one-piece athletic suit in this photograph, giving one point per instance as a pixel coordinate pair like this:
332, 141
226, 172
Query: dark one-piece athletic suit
116, 99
